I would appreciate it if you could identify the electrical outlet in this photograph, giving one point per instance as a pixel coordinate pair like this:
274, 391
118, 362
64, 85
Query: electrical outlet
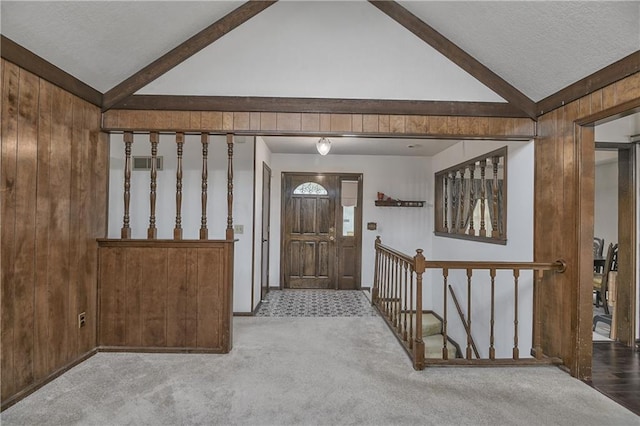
238, 229
82, 319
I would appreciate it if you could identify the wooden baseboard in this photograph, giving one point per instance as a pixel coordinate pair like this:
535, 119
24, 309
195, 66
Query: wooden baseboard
37, 385
161, 350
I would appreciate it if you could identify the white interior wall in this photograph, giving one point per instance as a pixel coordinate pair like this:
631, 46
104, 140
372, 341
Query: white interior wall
262, 156
191, 204
399, 177
519, 247
606, 202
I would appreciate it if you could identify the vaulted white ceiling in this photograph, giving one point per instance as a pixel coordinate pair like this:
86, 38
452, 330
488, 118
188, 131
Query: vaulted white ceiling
322, 50
329, 49
342, 49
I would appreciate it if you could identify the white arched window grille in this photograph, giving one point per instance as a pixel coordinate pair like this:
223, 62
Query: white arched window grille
310, 188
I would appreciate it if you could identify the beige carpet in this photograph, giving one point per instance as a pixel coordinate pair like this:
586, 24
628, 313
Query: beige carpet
309, 371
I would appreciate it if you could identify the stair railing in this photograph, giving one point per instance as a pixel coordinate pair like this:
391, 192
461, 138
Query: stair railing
397, 294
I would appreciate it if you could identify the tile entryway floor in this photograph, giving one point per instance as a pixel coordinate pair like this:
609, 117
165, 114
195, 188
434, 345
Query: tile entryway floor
316, 303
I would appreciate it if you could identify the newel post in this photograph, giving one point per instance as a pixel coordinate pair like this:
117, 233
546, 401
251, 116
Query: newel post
418, 346
375, 290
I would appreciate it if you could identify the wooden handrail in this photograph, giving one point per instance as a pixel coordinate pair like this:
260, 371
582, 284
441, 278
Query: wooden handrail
400, 303
557, 266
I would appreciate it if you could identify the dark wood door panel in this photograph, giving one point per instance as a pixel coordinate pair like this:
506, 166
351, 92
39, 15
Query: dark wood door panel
316, 251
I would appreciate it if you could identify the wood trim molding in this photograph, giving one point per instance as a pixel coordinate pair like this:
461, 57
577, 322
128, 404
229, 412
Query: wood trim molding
458, 56
315, 124
610, 114
27, 60
596, 81
319, 105
183, 51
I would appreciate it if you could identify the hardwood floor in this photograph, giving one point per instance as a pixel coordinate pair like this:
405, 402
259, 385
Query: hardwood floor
616, 373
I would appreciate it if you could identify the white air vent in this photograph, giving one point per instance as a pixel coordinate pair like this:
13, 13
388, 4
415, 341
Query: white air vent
144, 163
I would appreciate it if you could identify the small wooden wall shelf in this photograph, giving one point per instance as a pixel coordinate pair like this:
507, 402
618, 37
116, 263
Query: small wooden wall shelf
399, 203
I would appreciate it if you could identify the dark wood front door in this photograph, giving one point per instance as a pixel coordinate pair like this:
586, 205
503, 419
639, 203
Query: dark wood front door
320, 242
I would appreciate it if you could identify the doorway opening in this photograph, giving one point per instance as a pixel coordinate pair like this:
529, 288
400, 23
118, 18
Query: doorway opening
321, 231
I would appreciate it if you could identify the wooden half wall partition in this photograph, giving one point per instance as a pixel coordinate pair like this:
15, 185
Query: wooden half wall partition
564, 217
165, 295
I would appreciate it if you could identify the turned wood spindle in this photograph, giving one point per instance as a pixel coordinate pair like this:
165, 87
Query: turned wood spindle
483, 196
177, 231
229, 234
494, 220
446, 203
125, 232
492, 349
472, 198
204, 232
152, 232
461, 203
469, 275
454, 204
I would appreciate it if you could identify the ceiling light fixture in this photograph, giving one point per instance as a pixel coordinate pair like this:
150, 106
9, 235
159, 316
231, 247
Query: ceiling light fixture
323, 146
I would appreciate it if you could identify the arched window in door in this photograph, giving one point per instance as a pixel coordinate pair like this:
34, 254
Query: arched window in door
310, 188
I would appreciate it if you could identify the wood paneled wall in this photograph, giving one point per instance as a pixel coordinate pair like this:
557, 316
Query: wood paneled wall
54, 195
563, 223
165, 295
271, 122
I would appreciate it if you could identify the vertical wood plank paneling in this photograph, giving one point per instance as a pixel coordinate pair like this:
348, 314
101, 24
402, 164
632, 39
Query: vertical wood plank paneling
183, 299
49, 186
310, 122
227, 121
210, 283
254, 120
112, 297
268, 121
59, 184
10, 83
370, 123
211, 120
191, 306
154, 297
241, 121
24, 272
177, 291
325, 122
86, 265
568, 246
41, 329
586, 146
134, 288
75, 239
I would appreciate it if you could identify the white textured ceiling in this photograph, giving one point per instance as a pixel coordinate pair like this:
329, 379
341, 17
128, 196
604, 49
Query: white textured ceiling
104, 42
345, 49
322, 50
539, 47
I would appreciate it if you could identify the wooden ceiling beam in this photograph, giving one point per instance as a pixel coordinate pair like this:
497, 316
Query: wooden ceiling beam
25, 59
456, 55
184, 51
596, 81
319, 105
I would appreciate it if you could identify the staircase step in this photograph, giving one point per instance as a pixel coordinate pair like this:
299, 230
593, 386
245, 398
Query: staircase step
433, 347
430, 324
